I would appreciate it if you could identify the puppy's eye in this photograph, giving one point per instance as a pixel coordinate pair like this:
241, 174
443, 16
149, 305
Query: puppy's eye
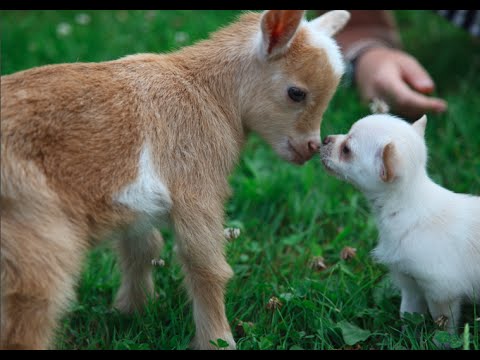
296, 94
346, 150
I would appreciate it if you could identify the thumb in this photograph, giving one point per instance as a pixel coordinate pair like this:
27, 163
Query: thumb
416, 76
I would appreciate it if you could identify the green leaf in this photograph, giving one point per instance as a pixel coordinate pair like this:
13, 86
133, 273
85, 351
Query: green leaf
292, 239
244, 258
286, 296
255, 247
352, 334
221, 344
442, 336
316, 250
456, 342
452, 341
296, 347
265, 343
414, 318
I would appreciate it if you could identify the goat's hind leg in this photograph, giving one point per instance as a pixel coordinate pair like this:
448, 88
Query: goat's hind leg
137, 248
39, 265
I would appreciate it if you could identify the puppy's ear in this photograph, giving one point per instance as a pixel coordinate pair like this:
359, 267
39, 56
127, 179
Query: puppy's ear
420, 125
387, 169
331, 22
278, 29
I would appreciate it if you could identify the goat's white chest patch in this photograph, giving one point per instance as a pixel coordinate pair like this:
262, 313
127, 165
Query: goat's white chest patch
147, 194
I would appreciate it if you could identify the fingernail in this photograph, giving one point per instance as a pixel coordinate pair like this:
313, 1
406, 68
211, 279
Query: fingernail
425, 86
441, 106
425, 83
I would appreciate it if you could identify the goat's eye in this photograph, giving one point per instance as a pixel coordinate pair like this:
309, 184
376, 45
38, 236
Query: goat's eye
296, 94
346, 150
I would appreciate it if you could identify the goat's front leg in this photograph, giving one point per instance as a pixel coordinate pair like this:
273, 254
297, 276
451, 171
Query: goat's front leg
200, 243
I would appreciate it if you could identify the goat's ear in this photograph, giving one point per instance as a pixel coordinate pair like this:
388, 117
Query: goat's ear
278, 29
331, 22
420, 125
387, 168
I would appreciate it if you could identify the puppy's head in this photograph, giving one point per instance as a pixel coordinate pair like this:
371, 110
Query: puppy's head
378, 151
298, 66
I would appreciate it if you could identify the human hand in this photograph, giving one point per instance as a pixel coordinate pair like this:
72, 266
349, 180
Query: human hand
398, 79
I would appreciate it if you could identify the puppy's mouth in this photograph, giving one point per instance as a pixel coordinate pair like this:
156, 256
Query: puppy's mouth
326, 165
324, 153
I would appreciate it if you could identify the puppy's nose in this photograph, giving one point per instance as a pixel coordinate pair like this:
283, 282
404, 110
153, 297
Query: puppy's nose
313, 146
327, 140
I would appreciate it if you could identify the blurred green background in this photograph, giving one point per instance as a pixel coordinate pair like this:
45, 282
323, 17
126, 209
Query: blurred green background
289, 215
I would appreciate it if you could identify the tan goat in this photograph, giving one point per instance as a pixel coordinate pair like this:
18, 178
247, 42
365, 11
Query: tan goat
91, 147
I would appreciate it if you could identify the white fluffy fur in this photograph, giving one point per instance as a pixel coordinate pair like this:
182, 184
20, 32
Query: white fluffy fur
429, 237
147, 194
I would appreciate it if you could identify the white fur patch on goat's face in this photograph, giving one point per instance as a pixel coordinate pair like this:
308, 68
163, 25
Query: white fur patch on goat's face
329, 45
317, 38
147, 194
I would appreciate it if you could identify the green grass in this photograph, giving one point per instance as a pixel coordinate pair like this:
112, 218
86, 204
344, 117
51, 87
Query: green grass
288, 215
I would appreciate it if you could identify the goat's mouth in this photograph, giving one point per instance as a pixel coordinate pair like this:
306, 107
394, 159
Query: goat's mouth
297, 157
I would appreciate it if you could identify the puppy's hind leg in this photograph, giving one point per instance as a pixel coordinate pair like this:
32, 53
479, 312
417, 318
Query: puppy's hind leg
136, 250
446, 314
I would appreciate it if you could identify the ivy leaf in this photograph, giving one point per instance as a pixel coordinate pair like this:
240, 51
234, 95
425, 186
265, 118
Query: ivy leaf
352, 334
447, 340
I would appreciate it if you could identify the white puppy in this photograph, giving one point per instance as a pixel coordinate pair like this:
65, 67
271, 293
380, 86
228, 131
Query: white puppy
429, 237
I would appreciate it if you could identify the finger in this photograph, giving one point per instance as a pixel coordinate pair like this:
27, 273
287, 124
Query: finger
408, 102
416, 76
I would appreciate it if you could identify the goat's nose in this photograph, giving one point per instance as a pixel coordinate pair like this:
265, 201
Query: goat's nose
313, 146
327, 140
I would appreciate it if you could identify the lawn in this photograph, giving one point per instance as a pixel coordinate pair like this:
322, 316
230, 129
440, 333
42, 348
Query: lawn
289, 216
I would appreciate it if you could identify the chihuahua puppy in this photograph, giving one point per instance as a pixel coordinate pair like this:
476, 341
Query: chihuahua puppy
89, 148
429, 237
